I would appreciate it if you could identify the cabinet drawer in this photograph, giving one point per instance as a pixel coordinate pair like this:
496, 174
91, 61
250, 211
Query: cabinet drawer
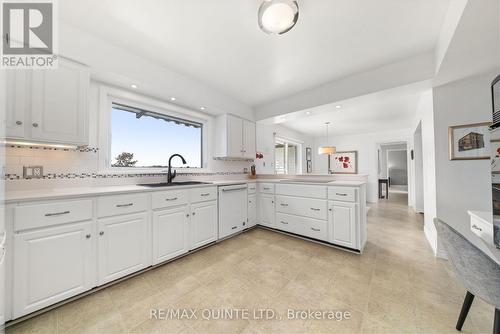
302, 190
252, 188
347, 194
266, 188
121, 204
308, 227
54, 213
164, 199
307, 207
203, 194
481, 229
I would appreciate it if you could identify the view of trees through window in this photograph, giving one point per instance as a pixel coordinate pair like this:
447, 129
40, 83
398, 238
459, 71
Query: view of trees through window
143, 139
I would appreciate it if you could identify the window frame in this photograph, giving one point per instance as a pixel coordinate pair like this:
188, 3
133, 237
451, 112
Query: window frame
109, 96
286, 141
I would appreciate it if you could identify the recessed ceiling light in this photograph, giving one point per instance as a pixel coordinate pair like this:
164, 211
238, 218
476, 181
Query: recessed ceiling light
308, 113
338, 106
203, 108
173, 98
134, 86
278, 16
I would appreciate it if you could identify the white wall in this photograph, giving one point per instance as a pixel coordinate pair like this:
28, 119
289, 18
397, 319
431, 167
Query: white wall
461, 185
367, 146
265, 145
383, 157
397, 166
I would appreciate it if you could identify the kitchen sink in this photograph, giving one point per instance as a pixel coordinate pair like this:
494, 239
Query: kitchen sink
171, 184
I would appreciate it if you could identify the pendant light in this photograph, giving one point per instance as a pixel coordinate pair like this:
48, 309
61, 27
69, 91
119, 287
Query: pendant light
327, 149
278, 16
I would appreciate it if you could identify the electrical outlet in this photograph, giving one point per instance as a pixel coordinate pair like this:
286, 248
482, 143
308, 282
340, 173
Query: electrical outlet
33, 172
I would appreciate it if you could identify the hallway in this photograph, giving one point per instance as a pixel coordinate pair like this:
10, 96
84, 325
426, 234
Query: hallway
395, 286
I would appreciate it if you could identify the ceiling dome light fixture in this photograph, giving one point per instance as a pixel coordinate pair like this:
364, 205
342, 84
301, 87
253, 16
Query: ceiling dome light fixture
278, 16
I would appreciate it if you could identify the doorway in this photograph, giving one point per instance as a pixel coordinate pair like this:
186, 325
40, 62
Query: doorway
393, 160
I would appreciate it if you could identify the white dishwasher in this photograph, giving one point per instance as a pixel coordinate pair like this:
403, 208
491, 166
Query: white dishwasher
233, 209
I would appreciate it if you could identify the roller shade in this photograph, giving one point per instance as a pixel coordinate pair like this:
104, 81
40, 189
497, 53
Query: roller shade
144, 113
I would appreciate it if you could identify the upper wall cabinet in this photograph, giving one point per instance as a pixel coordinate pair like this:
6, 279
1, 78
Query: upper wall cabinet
234, 137
49, 106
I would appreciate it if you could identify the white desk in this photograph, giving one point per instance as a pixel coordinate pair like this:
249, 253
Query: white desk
481, 224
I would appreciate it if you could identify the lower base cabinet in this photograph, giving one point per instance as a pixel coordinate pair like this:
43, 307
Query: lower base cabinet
343, 224
203, 224
252, 210
51, 265
122, 246
170, 233
266, 210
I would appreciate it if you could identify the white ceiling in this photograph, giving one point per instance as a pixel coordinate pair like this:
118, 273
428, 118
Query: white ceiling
218, 42
393, 109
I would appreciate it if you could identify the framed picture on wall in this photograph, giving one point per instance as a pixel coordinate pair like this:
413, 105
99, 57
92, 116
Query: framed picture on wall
344, 162
308, 154
469, 142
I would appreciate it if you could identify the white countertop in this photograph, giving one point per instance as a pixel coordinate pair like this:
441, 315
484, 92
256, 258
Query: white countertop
14, 196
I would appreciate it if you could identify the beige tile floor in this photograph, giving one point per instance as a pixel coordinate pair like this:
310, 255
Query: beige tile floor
396, 286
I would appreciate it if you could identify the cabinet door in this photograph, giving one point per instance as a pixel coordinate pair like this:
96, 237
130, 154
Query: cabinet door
252, 210
266, 210
249, 145
234, 136
50, 265
122, 246
17, 103
203, 223
170, 233
59, 104
343, 224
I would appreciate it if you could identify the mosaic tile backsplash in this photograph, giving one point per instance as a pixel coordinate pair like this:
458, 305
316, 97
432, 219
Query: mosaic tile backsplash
82, 163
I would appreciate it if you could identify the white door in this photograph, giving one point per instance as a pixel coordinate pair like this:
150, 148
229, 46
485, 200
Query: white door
50, 265
252, 210
234, 136
343, 224
170, 233
249, 143
266, 210
203, 223
122, 246
17, 103
232, 209
59, 104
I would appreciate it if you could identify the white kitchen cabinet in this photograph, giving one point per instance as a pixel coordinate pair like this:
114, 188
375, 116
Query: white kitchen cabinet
342, 224
266, 210
233, 206
252, 210
17, 103
234, 137
170, 233
50, 265
49, 105
203, 224
122, 245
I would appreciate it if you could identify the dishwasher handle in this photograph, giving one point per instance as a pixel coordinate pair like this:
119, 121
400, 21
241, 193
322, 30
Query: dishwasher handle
233, 189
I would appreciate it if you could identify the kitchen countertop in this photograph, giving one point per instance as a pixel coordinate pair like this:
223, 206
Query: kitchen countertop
14, 196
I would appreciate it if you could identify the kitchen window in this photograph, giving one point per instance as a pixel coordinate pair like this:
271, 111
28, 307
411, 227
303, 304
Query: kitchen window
145, 139
287, 155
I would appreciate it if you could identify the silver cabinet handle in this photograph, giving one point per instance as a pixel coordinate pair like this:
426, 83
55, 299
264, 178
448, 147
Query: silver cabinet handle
315, 209
315, 229
124, 205
267, 188
87, 236
476, 227
233, 189
249, 201
339, 194
187, 215
19, 123
101, 233
35, 125
283, 204
205, 194
171, 199
283, 222
56, 213
234, 227
193, 213
330, 209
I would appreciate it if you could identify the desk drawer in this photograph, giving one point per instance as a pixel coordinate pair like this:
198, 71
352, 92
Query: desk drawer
307, 207
203, 194
53, 213
346, 194
165, 199
121, 204
301, 190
